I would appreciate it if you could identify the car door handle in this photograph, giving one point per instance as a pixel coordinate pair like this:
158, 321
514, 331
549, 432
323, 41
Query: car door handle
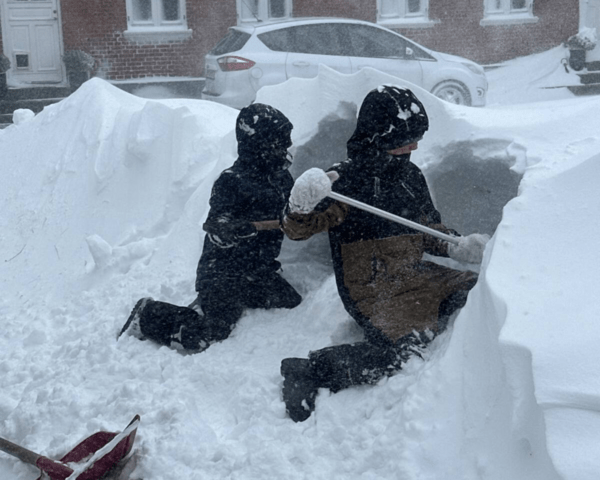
301, 64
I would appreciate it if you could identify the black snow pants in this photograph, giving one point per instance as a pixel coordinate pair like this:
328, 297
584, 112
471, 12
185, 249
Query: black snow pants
366, 362
222, 303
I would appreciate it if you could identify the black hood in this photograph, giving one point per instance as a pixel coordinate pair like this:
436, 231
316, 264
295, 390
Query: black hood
264, 135
389, 117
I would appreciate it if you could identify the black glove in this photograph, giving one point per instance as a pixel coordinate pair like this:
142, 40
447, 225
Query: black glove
227, 232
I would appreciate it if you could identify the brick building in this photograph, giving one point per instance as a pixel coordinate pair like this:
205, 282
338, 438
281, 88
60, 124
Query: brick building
49, 41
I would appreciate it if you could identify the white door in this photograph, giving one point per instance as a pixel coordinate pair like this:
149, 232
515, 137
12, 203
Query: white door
590, 17
32, 41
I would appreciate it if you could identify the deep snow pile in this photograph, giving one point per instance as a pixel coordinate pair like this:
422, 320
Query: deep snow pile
103, 198
532, 78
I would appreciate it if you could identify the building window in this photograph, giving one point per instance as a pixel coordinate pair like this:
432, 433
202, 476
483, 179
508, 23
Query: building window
403, 13
250, 11
506, 12
156, 20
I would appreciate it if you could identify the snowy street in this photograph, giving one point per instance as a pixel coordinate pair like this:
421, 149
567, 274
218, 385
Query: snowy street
103, 199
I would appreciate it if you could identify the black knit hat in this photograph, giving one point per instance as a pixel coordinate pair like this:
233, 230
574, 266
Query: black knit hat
389, 117
259, 126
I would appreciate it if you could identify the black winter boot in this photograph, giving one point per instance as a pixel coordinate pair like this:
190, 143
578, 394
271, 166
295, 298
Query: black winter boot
299, 388
132, 325
342, 366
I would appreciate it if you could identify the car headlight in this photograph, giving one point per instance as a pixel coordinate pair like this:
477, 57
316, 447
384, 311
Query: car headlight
476, 69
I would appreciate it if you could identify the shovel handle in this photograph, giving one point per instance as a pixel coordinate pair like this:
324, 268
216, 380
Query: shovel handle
393, 218
21, 453
267, 225
43, 463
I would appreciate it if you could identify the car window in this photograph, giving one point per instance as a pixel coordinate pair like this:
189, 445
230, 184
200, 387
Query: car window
365, 41
277, 40
321, 39
233, 41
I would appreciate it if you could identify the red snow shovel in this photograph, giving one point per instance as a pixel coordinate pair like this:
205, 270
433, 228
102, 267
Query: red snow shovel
93, 458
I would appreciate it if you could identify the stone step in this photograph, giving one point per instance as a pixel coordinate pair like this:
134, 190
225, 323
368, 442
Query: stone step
42, 92
34, 99
34, 104
589, 78
585, 89
592, 66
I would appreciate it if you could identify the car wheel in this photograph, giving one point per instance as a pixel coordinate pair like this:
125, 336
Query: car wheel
452, 92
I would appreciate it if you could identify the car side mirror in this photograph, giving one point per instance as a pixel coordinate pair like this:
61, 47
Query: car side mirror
409, 52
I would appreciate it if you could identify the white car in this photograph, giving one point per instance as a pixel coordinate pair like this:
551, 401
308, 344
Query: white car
250, 57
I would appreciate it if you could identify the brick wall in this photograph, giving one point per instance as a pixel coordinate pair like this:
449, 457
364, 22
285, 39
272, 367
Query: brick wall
97, 26
459, 32
358, 9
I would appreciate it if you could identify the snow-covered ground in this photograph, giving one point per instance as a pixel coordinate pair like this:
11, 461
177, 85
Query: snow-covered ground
103, 197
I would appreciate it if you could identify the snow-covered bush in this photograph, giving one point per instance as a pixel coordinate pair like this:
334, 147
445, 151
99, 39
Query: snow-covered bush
78, 60
4, 63
586, 39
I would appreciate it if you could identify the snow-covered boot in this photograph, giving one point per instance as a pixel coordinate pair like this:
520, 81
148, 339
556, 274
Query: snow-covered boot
299, 388
342, 366
132, 325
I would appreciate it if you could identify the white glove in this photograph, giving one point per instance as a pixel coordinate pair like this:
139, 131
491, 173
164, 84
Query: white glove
309, 189
469, 249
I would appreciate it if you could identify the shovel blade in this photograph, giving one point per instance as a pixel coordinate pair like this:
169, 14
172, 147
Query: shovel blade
87, 461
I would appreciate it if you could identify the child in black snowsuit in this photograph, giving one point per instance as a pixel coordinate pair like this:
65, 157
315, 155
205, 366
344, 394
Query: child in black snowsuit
238, 267
400, 301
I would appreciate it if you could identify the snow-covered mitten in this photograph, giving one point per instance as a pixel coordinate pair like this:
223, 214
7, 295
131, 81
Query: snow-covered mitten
469, 249
309, 189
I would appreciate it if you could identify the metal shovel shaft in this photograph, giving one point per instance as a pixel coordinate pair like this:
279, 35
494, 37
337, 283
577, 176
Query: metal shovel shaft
21, 453
52, 467
394, 218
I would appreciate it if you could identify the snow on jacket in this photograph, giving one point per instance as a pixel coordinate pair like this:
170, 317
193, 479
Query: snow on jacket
255, 188
381, 277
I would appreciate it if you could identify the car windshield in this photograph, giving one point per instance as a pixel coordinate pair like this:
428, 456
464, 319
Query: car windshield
233, 41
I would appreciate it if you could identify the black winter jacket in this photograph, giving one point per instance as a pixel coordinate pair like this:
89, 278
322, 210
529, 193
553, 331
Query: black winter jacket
381, 277
256, 188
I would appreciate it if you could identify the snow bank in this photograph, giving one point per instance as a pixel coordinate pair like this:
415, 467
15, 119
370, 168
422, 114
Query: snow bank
99, 179
103, 198
552, 326
539, 77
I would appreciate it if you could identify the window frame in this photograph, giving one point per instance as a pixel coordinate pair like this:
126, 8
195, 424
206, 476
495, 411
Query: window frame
505, 14
400, 17
262, 12
156, 29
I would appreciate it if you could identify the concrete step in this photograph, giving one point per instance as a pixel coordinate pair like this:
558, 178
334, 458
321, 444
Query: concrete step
34, 99
589, 78
42, 92
585, 89
592, 66
34, 104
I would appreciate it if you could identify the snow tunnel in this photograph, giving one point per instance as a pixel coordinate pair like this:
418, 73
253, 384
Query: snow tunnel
470, 181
